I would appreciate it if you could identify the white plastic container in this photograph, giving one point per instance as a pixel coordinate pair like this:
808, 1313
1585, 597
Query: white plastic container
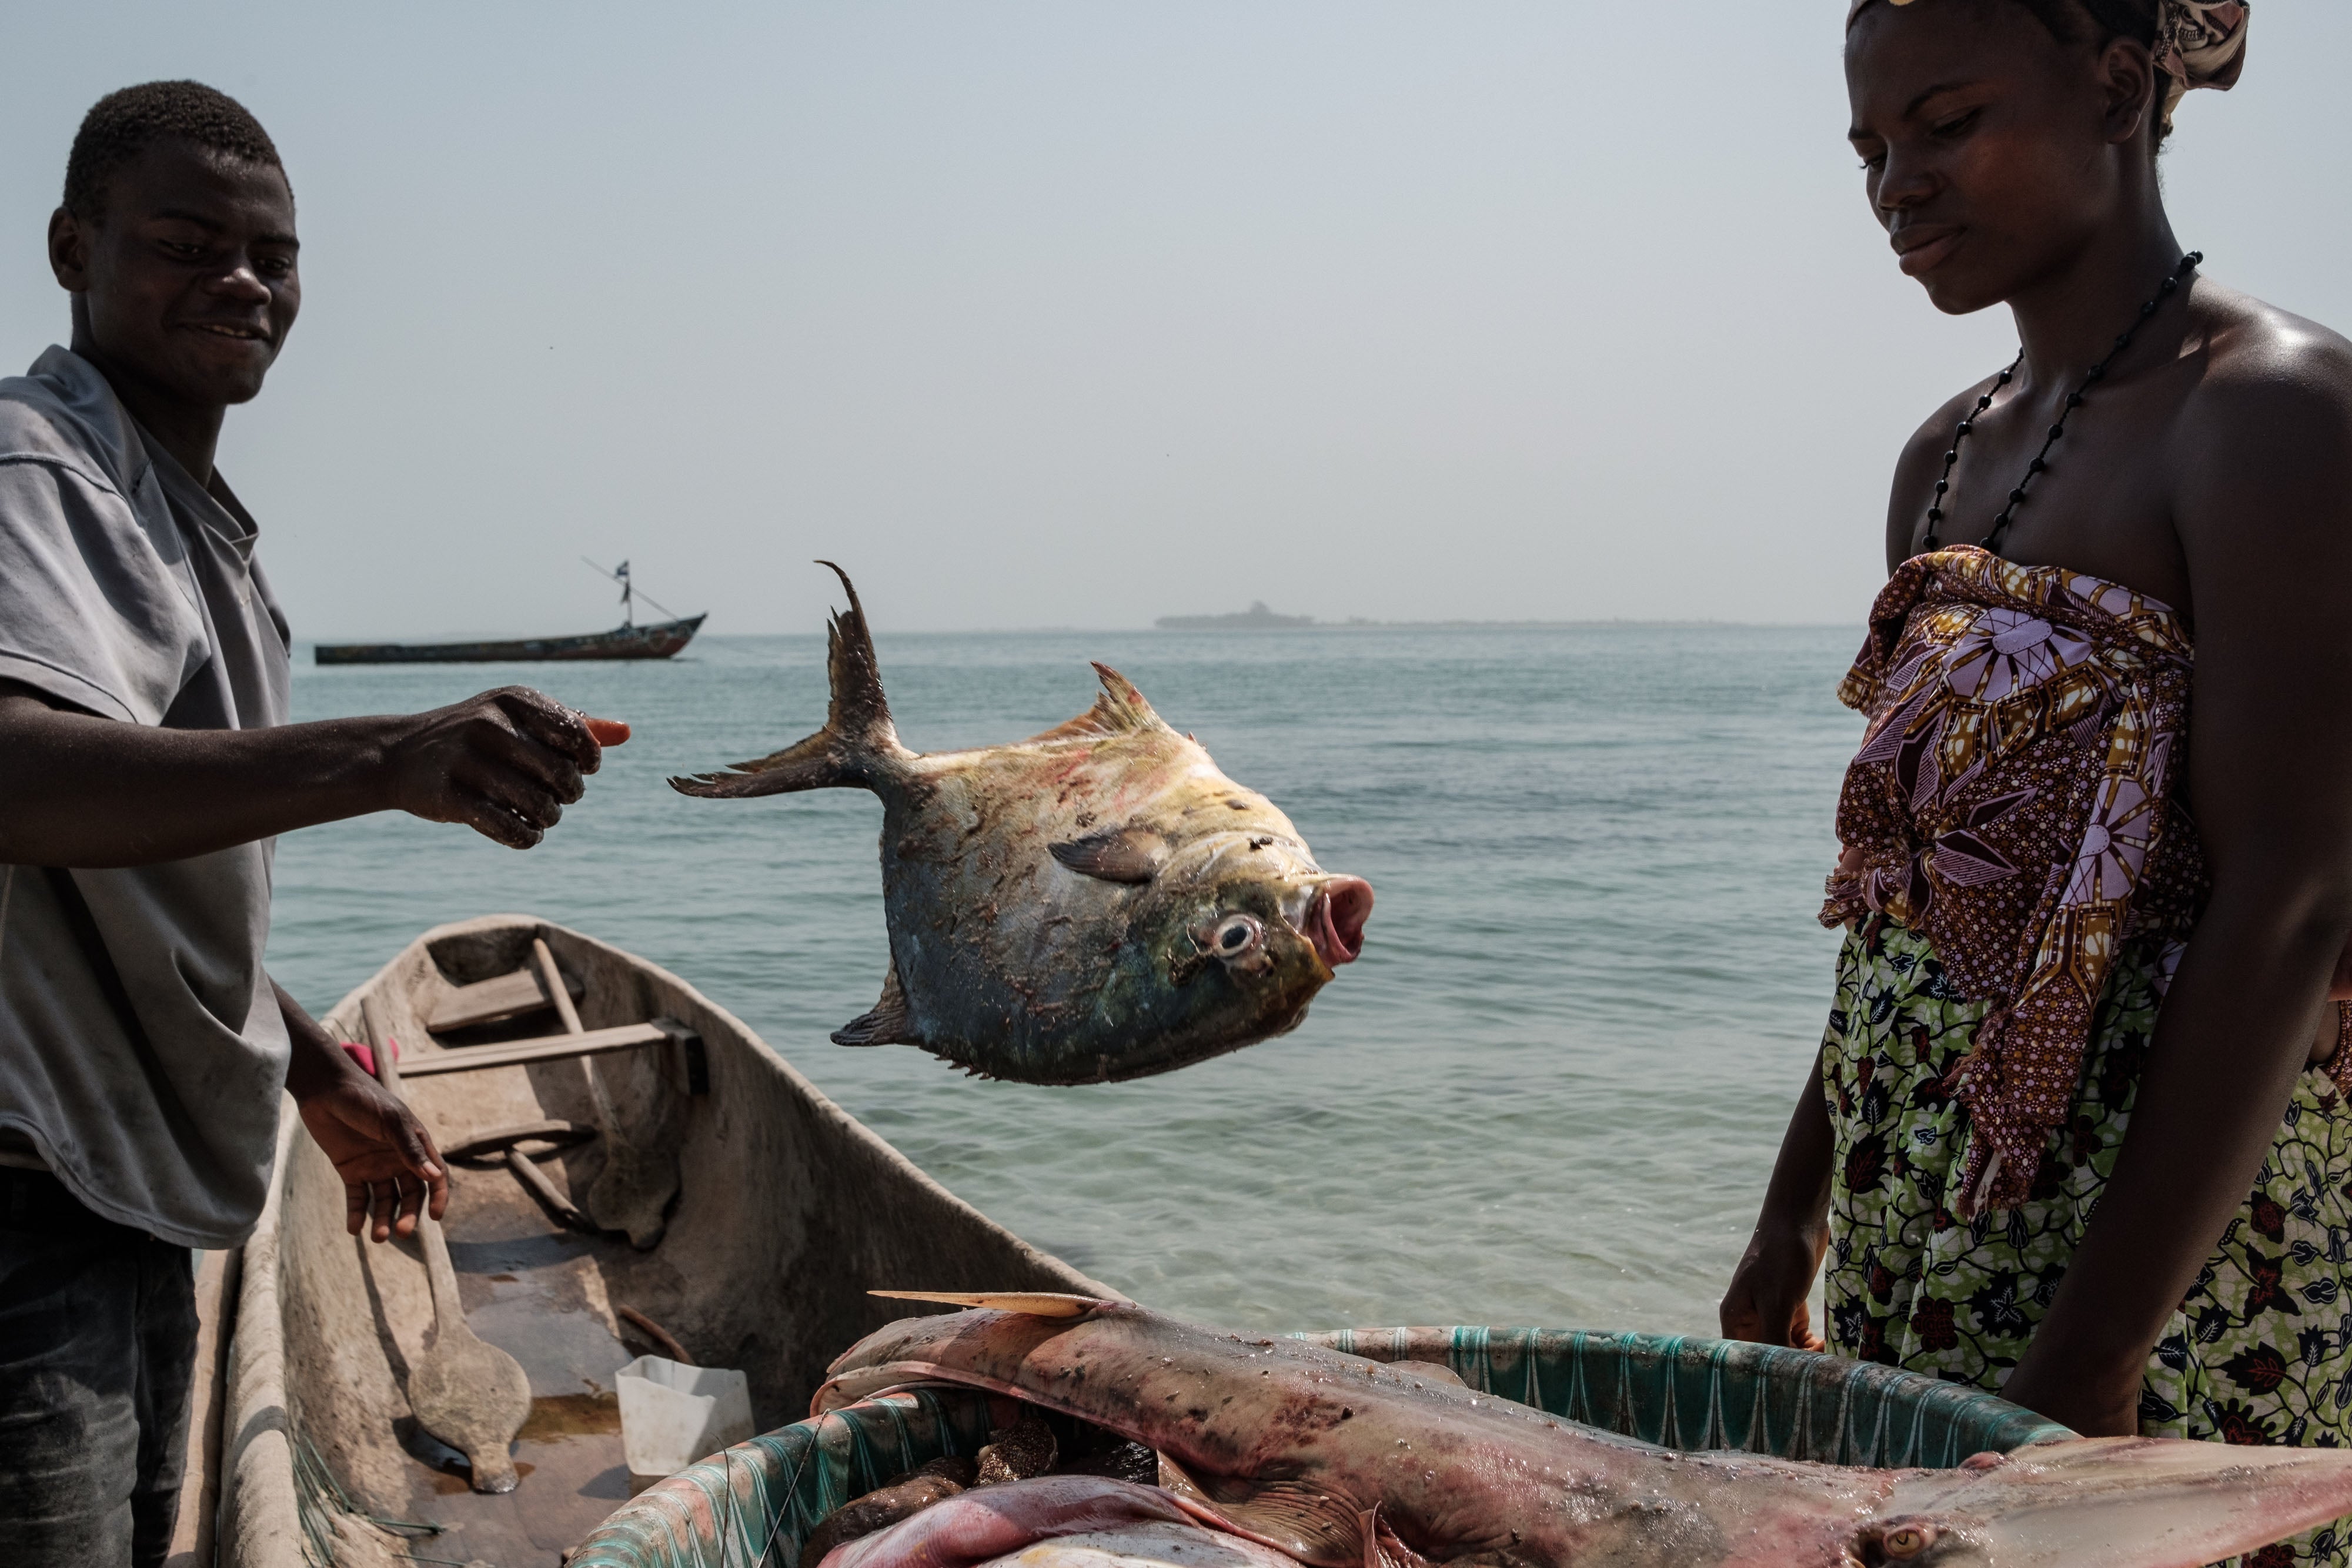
673, 1414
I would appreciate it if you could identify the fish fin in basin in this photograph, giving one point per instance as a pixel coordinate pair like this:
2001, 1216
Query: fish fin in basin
1035, 1304
2123, 1502
1318, 1529
887, 1022
858, 739
1115, 854
1120, 710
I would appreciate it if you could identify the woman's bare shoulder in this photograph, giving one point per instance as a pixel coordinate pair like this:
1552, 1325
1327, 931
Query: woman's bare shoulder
2262, 450
2262, 360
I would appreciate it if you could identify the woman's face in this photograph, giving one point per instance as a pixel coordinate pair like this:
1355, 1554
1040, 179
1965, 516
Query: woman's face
1992, 152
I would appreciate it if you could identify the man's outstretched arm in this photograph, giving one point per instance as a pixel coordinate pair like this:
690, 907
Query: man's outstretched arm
80, 790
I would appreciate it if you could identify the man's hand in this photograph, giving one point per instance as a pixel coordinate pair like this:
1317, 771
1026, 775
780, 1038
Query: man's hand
505, 763
392, 1172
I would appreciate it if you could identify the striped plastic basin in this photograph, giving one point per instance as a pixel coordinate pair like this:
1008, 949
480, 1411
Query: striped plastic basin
752, 1505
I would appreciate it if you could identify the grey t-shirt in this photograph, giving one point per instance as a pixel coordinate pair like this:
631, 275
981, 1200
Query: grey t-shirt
129, 591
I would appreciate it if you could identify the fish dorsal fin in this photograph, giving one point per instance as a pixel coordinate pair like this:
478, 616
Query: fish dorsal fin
887, 1022
1115, 854
1120, 710
1035, 1303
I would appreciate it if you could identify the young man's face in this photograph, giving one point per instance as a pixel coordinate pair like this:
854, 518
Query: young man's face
186, 279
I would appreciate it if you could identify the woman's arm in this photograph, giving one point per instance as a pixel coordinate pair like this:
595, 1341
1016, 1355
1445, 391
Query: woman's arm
1767, 1300
2263, 477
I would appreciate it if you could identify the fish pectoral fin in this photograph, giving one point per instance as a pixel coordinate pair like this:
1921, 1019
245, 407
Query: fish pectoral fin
1384, 1548
1120, 710
1315, 1527
887, 1022
1128, 854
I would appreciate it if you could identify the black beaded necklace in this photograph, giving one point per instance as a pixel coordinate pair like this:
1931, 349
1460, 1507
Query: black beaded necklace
2091, 377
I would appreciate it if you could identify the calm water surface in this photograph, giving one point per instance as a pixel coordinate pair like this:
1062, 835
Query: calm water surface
1548, 1092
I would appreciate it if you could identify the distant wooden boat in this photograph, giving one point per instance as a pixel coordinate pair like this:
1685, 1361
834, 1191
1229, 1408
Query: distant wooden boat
787, 1210
659, 640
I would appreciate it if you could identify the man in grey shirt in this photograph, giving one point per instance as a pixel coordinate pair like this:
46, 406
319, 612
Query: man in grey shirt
146, 765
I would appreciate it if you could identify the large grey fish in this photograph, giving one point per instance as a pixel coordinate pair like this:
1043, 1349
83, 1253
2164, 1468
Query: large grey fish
1094, 903
1340, 1462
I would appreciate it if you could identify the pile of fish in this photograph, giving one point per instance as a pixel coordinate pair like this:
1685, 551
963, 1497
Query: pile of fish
1271, 1453
1094, 903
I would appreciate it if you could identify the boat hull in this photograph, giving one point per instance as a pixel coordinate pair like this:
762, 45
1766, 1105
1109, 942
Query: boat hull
661, 641
789, 1210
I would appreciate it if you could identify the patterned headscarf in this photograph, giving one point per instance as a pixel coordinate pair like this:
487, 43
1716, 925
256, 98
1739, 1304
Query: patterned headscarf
2198, 43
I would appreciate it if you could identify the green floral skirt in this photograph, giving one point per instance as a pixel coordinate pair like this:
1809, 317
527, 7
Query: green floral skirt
2260, 1350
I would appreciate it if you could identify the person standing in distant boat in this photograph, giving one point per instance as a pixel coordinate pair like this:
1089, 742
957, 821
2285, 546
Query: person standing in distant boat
2077, 1131
146, 765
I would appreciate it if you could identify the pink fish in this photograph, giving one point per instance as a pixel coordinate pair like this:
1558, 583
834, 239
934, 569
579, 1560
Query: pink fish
1340, 1462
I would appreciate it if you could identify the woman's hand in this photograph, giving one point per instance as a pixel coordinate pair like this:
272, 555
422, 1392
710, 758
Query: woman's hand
1768, 1301
2095, 1404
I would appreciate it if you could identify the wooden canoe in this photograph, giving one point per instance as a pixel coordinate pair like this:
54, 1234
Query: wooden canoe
661, 640
788, 1211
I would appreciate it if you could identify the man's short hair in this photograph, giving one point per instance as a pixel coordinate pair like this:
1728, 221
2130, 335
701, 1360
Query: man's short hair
121, 125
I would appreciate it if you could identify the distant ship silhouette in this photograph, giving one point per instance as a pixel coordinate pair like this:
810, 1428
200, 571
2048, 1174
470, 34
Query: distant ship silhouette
1256, 618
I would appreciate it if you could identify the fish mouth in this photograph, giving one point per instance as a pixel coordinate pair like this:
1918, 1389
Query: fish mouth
1335, 919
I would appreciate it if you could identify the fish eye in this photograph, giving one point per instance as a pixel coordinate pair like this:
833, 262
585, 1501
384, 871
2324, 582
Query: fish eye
1237, 937
1906, 1541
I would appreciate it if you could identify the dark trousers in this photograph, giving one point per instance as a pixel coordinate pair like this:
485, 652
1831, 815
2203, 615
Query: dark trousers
98, 1346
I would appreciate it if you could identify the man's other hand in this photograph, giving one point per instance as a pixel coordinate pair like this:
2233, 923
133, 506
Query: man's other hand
390, 1171
505, 763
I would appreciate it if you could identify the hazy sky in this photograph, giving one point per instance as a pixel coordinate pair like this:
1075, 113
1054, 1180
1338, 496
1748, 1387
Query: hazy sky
1081, 313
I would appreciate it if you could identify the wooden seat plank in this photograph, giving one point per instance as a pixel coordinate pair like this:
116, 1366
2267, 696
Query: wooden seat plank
494, 1000
545, 1047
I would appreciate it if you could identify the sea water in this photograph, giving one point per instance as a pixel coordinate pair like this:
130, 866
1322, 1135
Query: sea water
1549, 1093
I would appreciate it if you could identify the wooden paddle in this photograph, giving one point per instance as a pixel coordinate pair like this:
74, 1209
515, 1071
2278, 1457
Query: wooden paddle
472, 1395
635, 1185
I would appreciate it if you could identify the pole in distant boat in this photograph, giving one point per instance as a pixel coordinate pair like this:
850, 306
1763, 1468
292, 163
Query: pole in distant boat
620, 574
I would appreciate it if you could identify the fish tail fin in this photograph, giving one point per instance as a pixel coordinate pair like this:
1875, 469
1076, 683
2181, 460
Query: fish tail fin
2149, 1500
858, 743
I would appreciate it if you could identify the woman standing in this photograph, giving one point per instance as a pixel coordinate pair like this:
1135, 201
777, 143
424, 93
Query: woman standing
2077, 1131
